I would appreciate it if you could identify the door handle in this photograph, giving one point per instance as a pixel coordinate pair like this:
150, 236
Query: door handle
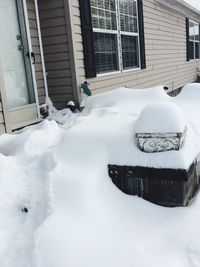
32, 54
33, 57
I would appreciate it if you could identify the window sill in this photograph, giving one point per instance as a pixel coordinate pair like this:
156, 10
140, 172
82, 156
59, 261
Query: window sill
194, 60
117, 72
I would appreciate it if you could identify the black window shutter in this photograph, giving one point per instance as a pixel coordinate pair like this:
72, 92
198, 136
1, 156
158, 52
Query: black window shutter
187, 40
87, 35
141, 34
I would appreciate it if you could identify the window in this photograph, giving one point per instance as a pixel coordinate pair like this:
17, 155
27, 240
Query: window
193, 44
116, 35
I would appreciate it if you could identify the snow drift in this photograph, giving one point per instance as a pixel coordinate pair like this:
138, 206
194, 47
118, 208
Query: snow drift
76, 217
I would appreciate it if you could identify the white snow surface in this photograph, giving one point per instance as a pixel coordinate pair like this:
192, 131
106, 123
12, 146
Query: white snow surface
162, 117
112, 117
76, 216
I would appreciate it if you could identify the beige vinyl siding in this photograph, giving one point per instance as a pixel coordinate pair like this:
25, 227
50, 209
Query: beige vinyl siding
56, 51
36, 50
165, 42
2, 124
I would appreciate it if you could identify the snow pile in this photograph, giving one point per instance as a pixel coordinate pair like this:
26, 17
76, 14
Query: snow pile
163, 117
125, 99
94, 224
76, 217
190, 93
25, 161
189, 100
112, 116
64, 116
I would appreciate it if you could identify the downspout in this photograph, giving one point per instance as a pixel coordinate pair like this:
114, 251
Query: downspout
30, 50
41, 48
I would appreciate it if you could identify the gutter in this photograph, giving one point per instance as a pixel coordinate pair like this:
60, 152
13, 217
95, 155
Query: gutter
181, 7
187, 5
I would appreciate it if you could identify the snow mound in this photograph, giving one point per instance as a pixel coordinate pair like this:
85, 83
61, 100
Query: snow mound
190, 93
163, 117
125, 96
76, 217
81, 149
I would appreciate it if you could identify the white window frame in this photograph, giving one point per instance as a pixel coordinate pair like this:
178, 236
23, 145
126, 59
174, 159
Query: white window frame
118, 34
194, 41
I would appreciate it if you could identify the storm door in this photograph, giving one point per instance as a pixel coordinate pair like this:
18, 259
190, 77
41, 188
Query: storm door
16, 60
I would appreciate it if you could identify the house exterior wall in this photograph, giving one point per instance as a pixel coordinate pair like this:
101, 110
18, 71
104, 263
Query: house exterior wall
165, 47
56, 51
36, 50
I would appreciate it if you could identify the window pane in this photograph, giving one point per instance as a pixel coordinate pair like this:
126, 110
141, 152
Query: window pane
130, 51
191, 50
196, 30
193, 40
106, 52
128, 15
191, 30
104, 14
94, 3
128, 7
196, 50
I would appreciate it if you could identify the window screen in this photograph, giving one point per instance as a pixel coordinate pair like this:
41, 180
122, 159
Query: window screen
128, 15
116, 38
105, 52
193, 40
104, 14
129, 51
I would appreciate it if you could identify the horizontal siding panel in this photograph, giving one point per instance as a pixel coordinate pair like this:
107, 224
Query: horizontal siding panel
57, 57
32, 24
52, 13
65, 73
57, 65
62, 98
54, 31
58, 90
51, 4
56, 48
53, 40
47, 23
59, 82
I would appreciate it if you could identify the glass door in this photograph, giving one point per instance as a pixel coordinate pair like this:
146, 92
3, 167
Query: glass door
15, 57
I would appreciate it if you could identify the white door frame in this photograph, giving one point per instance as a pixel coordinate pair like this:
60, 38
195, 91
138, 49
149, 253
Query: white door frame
8, 127
30, 50
41, 48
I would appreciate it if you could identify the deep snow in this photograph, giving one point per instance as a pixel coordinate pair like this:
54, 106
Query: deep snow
162, 117
76, 216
